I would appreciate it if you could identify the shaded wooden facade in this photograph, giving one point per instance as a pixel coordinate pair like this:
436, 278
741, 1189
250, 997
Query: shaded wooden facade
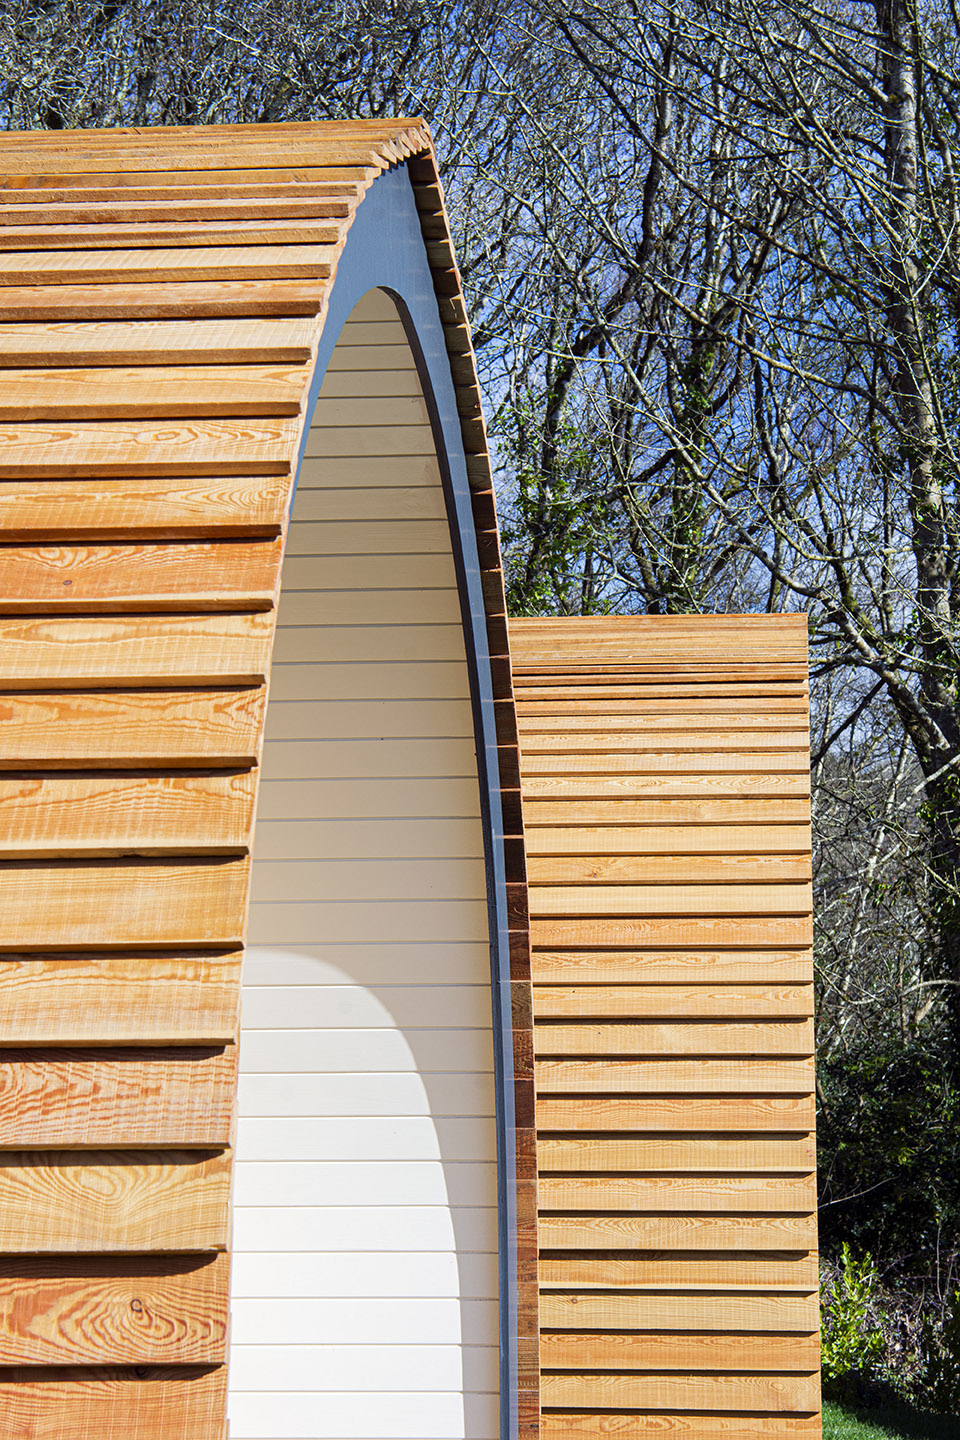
166, 296
665, 773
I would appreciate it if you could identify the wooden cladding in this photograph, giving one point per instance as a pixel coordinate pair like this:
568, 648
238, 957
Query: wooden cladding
665, 777
164, 292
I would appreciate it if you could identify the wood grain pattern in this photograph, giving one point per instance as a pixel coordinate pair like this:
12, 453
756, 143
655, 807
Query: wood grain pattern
165, 300
100, 449
120, 905
101, 1099
674, 899
127, 1312
740, 1153
691, 1270
157, 342
695, 1392
676, 1002
40, 652
143, 391
662, 1312
112, 1202
131, 729
678, 1232
672, 810
86, 815
620, 871
185, 264
675, 737
693, 1351
666, 1425
678, 1193
126, 999
179, 1403
593, 967
685, 932
83, 510
226, 575
727, 1037
702, 784
737, 1113
595, 842
649, 1077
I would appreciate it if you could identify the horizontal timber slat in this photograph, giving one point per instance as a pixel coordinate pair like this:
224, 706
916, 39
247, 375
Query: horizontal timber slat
228, 575
693, 1270
685, 932
671, 761
671, 899
680, 1352
680, 710
680, 1193
753, 785
85, 510
166, 300
672, 842
111, 1202
104, 1099
602, 871
645, 1077
676, 738
592, 967
711, 1311
128, 1312
674, 1425
135, 266
86, 815
678, 1232
696, 1392
120, 905
134, 729
40, 652
143, 391
179, 1403
126, 999
757, 1038
103, 448
670, 810
157, 342
741, 1153
674, 1002
85, 235
738, 1113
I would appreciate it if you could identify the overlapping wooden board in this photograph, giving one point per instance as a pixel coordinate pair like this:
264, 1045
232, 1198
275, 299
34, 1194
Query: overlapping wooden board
163, 297
664, 769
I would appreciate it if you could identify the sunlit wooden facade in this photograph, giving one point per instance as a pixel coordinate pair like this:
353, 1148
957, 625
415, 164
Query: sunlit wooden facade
267, 1056
196, 323
665, 772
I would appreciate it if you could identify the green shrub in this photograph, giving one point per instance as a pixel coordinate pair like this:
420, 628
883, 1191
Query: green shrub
852, 1340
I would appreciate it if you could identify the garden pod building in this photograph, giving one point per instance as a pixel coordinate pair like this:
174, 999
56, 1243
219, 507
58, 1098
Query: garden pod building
268, 1162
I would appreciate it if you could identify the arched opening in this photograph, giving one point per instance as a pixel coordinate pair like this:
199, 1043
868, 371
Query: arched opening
365, 1269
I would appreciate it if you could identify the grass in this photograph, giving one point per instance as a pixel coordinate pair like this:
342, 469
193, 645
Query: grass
887, 1423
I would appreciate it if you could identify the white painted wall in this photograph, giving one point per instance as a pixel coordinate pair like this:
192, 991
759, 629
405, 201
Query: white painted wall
365, 1226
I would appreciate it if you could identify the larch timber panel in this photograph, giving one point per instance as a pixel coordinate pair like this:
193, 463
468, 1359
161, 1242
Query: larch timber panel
164, 296
665, 776
365, 1240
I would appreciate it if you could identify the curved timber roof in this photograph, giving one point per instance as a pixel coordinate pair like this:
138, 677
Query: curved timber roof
164, 299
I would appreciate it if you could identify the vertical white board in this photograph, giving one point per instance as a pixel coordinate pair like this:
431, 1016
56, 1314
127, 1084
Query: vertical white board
365, 1292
